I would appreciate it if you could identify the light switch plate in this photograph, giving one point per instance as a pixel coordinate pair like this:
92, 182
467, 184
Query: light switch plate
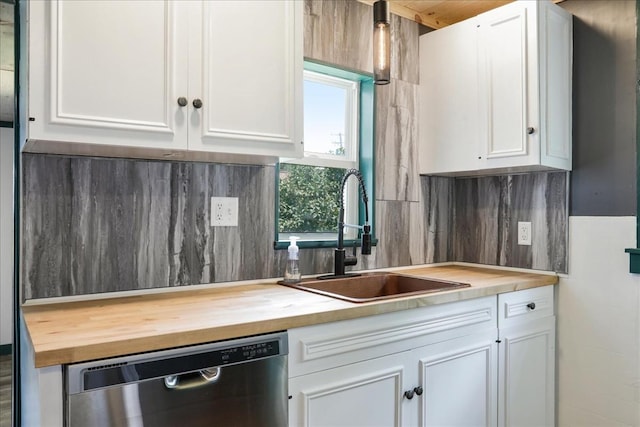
524, 233
224, 211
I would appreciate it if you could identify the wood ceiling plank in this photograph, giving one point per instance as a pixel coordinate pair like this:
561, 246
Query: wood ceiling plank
441, 13
451, 11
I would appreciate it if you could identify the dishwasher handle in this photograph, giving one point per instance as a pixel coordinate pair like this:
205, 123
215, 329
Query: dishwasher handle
192, 380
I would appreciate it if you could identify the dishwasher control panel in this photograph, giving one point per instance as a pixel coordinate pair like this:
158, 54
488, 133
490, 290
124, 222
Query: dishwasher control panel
83, 377
250, 352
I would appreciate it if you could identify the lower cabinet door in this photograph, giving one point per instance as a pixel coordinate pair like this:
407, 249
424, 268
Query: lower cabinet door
527, 374
367, 394
458, 378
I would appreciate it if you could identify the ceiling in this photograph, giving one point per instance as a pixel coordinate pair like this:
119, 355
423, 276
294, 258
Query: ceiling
440, 13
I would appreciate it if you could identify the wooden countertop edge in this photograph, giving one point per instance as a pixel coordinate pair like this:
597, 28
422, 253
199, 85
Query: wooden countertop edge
60, 354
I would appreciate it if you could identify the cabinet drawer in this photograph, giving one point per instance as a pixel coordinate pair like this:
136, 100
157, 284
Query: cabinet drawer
318, 347
520, 306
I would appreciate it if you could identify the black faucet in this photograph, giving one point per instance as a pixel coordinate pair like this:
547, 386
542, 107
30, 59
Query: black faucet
341, 259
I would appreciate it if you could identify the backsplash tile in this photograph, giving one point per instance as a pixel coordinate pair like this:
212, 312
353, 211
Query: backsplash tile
417, 231
392, 218
100, 225
339, 32
486, 215
477, 219
46, 221
437, 217
232, 253
396, 142
404, 49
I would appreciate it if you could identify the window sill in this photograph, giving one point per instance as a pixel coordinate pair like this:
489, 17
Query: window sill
634, 259
318, 244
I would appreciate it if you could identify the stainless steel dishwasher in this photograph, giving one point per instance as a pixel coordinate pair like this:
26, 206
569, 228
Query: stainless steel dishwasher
241, 382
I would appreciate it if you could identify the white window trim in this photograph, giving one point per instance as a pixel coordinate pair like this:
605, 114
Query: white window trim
348, 161
352, 122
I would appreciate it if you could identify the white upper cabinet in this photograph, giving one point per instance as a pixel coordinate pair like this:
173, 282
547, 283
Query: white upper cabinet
249, 75
518, 84
175, 78
107, 73
525, 86
449, 118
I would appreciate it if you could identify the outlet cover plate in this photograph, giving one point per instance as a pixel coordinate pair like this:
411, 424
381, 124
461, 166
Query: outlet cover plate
524, 233
224, 211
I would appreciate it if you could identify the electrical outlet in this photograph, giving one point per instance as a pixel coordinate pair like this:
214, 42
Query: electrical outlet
524, 233
224, 211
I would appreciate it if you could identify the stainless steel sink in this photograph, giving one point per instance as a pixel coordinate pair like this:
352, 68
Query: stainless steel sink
375, 286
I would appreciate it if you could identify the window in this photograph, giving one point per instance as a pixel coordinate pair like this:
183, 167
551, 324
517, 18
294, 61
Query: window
338, 121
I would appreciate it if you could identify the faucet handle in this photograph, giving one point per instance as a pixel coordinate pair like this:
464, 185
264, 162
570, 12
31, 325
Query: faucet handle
365, 240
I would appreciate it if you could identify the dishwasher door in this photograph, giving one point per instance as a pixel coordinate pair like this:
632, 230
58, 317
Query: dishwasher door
233, 383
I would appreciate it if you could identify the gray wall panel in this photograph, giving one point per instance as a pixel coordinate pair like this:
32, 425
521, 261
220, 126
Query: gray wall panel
603, 181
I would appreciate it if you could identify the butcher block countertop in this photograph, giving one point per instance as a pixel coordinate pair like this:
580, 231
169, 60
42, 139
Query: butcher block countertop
82, 330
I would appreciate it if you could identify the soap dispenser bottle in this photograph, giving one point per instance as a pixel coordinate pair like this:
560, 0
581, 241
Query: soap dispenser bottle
292, 271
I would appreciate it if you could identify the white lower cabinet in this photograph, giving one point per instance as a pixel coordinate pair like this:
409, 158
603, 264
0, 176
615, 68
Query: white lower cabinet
427, 386
415, 367
481, 362
458, 380
526, 371
367, 393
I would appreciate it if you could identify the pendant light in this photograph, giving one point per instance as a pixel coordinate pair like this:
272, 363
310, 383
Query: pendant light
381, 43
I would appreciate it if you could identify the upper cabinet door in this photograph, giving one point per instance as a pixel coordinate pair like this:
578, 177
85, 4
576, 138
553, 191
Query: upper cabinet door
504, 74
107, 72
449, 124
247, 69
509, 111
525, 86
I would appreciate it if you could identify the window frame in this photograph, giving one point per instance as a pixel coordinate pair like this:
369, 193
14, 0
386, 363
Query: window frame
352, 120
362, 157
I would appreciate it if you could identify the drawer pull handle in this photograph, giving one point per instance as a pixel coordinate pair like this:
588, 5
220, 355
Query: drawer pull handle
409, 394
532, 305
418, 390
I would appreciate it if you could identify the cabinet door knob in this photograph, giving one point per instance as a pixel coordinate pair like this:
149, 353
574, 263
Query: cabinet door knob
182, 101
532, 305
531, 130
197, 103
418, 390
408, 394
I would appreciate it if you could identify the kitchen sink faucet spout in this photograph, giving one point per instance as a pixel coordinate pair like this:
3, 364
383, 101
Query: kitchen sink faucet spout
341, 260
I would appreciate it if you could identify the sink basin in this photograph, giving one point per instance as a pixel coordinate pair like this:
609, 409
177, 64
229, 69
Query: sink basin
375, 286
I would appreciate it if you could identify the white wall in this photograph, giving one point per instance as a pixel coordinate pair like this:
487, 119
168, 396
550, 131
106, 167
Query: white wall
599, 326
6, 235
